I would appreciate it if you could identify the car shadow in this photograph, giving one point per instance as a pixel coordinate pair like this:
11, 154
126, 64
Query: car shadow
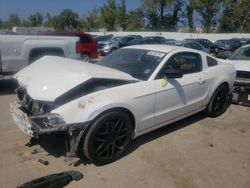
55, 145
148, 137
144, 139
8, 86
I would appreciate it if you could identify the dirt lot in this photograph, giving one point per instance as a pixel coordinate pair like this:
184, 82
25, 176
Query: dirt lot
192, 153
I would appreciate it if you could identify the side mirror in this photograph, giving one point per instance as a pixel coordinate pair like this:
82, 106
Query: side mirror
172, 73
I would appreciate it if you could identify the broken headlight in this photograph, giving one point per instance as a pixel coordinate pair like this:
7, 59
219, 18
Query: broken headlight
48, 121
39, 107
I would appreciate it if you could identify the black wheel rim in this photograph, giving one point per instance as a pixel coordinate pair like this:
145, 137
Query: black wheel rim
220, 101
85, 58
112, 138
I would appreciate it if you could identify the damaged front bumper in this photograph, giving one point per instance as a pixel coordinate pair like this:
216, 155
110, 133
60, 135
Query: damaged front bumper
21, 119
36, 125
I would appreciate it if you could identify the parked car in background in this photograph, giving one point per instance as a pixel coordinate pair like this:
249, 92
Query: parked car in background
168, 40
103, 38
188, 44
204, 42
106, 47
18, 51
241, 61
86, 46
125, 39
130, 92
8, 33
155, 38
224, 48
145, 41
242, 41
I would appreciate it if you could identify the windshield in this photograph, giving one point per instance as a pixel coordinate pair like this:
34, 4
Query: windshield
136, 62
241, 54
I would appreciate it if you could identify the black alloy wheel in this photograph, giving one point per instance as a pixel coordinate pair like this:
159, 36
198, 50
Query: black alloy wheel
108, 138
219, 101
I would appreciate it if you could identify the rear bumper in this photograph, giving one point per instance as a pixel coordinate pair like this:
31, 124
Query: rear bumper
104, 51
223, 53
241, 95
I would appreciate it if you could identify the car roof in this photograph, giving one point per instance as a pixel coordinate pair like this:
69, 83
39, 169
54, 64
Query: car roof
66, 33
154, 37
160, 48
190, 41
245, 46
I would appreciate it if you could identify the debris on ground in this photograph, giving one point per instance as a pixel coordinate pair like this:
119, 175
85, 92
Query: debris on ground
44, 162
54, 180
243, 131
32, 142
34, 151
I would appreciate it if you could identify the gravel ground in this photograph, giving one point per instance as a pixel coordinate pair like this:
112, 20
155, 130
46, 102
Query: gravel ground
197, 152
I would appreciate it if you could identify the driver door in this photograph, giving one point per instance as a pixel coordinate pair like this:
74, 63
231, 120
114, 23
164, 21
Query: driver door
184, 95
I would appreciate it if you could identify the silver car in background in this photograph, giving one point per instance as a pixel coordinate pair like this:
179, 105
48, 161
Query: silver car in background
106, 47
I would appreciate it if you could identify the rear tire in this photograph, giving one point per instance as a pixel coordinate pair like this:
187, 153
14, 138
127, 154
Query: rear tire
219, 101
85, 57
108, 138
113, 49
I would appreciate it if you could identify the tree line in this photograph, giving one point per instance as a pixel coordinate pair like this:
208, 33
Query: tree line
151, 15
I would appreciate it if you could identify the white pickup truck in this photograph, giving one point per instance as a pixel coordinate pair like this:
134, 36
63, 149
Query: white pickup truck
18, 51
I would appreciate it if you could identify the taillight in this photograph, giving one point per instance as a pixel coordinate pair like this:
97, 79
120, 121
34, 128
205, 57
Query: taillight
78, 47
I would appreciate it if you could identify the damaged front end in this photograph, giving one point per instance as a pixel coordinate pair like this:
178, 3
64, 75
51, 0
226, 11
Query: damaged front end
34, 118
241, 90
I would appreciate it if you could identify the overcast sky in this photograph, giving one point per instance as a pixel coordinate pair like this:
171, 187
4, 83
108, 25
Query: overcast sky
25, 8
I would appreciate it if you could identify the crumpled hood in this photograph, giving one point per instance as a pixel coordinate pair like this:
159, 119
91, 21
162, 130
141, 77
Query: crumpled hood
241, 65
50, 76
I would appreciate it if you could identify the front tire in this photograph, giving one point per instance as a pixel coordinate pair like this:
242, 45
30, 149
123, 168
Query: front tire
108, 138
219, 101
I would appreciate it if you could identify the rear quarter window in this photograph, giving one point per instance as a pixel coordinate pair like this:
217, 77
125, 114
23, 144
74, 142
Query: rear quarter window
187, 62
85, 39
211, 61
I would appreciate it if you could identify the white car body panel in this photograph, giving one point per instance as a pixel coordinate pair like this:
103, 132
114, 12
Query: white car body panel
134, 97
152, 104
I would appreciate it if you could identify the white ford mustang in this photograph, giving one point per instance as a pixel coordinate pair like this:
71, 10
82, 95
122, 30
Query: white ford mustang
130, 92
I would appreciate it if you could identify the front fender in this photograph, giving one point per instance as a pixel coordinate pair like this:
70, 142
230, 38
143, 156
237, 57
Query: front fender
87, 108
108, 107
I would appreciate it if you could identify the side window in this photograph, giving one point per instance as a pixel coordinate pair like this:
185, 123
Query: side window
211, 61
85, 39
186, 62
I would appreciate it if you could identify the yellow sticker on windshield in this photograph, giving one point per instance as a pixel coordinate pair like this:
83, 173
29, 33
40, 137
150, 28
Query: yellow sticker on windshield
164, 81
